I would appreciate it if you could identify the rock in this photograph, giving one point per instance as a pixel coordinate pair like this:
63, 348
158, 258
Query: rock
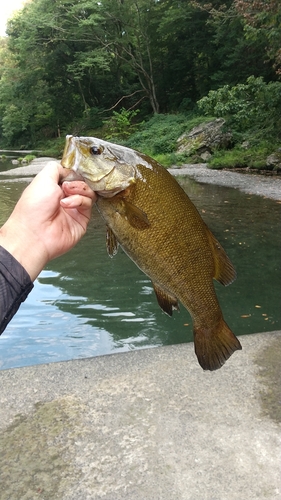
274, 161
245, 145
15, 162
206, 137
206, 156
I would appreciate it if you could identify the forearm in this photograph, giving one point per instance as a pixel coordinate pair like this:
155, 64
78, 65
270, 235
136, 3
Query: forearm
15, 285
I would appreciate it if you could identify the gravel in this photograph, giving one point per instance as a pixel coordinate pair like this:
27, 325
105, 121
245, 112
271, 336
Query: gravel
261, 185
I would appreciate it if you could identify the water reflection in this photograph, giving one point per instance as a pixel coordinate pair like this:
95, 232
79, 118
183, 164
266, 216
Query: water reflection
85, 304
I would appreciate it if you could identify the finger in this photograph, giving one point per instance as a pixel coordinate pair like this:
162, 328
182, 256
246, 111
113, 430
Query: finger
53, 170
78, 201
44, 184
78, 187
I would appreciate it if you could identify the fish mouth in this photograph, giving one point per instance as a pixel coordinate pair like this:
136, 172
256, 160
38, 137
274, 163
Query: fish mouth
71, 157
73, 176
77, 156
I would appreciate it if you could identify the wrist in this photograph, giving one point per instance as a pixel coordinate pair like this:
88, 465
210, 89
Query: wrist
25, 248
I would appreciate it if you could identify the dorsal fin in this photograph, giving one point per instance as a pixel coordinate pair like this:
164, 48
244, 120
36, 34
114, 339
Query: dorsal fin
166, 301
111, 242
224, 270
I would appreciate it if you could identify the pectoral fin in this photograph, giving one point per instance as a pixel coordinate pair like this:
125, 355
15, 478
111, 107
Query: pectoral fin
166, 301
136, 217
111, 242
224, 270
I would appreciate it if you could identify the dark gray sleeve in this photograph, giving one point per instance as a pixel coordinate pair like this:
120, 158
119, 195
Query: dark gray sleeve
15, 285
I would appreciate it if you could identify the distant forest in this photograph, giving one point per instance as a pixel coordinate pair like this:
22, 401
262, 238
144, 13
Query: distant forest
67, 65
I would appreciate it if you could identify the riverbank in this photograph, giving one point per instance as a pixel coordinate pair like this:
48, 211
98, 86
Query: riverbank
148, 424
27, 172
267, 186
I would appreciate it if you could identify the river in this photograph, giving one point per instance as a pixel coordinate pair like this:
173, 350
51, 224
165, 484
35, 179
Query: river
86, 304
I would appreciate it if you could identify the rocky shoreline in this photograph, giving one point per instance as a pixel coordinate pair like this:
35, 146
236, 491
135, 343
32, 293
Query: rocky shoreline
261, 185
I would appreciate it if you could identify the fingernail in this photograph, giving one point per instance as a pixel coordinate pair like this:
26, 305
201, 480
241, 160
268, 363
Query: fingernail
65, 201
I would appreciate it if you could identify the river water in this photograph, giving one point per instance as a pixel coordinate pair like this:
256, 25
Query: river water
86, 304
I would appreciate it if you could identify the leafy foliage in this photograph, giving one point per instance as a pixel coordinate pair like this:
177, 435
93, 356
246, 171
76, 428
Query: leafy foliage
120, 125
254, 104
263, 18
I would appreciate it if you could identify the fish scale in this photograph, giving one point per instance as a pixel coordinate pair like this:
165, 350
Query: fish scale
152, 218
182, 254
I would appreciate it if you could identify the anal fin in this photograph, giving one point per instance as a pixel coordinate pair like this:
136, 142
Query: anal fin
166, 301
224, 270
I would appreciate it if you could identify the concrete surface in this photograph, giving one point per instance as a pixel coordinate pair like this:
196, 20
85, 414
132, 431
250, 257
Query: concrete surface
145, 425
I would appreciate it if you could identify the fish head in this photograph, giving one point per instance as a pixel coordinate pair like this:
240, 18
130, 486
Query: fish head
107, 168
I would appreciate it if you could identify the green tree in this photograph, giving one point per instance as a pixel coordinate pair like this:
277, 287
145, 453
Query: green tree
236, 55
121, 34
263, 18
39, 92
66, 63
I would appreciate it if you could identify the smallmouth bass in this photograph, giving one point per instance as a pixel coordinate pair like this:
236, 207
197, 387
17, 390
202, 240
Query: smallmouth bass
148, 213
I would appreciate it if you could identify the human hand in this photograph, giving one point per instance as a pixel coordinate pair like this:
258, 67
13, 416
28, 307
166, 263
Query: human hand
48, 220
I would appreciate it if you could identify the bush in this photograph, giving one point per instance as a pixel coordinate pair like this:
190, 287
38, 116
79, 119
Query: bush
254, 105
28, 158
119, 125
53, 148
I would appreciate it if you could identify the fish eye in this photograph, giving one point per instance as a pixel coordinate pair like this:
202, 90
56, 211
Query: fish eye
94, 150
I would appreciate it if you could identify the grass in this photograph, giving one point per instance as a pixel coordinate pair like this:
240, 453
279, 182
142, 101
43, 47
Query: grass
158, 136
253, 157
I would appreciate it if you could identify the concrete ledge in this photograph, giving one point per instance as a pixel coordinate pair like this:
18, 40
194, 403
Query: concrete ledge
144, 425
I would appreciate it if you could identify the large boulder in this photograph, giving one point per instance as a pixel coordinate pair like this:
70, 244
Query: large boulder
273, 161
205, 138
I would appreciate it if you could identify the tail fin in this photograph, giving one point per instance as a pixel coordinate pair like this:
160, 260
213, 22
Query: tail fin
214, 347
